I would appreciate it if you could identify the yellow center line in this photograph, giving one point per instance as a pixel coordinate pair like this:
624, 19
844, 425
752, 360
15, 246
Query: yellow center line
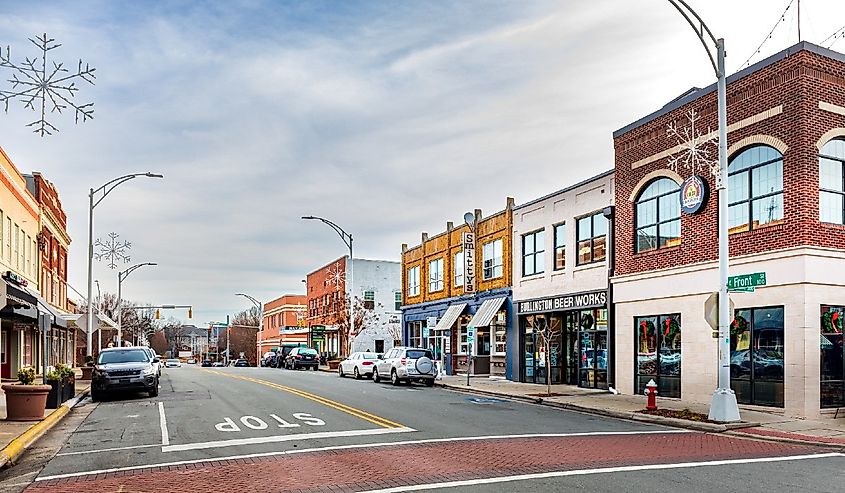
377, 420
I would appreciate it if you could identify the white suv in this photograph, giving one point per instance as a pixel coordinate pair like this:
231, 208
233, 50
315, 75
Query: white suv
406, 363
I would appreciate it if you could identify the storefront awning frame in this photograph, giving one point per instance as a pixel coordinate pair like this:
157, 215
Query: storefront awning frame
450, 316
487, 311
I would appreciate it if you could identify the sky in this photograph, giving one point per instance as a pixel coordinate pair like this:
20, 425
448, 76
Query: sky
389, 118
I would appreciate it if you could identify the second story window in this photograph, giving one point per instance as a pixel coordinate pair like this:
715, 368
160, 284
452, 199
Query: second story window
435, 275
560, 246
414, 281
459, 269
397, 301
755, 188
370, 300
492, 252
592, 238
832, 182
658, 216
533, 250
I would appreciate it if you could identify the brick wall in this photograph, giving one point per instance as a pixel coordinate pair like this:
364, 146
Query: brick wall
325, 297
784, 96
448, 243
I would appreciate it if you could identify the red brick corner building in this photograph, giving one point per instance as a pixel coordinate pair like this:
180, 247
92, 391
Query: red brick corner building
786, 167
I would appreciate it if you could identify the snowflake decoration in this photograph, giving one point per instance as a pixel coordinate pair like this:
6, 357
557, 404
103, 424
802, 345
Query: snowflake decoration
35, 85
698, 149
336, 275
113, 250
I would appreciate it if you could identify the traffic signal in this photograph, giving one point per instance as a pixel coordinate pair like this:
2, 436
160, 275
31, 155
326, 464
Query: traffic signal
158, 314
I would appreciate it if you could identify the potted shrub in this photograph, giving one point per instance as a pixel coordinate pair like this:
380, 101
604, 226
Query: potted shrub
88, 368
334, 363
26, 401
57, 392
68, 380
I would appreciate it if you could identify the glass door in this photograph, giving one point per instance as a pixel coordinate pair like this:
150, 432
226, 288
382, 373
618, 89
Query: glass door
529, 350
593, 351
757, 345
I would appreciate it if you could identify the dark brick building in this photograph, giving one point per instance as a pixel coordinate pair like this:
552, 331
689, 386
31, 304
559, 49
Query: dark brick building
786, 176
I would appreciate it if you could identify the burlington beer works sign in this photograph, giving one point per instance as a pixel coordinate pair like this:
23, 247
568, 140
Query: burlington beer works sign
592, 299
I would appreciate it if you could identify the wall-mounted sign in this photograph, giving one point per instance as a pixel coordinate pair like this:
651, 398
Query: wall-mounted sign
468, 240
694, 192
593, 299
15, 278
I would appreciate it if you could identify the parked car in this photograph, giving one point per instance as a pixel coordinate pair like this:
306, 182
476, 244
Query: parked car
192, 361
406, 364
283, 352
269, 359
359, 364
173, 363
120, 368
241, 363
206, 363
152, 355
302, 357
217, 364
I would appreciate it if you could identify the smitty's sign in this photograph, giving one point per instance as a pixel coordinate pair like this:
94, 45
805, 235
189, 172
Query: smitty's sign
594, 299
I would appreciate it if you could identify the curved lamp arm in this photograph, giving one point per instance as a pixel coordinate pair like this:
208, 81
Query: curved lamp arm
107, 187
702, 29
123, 275
346, 237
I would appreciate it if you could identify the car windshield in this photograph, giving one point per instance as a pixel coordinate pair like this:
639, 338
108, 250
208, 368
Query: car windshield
310, 352
418, 353
127, 356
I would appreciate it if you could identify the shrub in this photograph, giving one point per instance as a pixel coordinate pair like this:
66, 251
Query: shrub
54, 375
64, 370
26, 375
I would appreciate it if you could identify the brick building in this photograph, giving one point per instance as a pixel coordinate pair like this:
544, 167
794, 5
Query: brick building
786, 154
285, 320
435, 290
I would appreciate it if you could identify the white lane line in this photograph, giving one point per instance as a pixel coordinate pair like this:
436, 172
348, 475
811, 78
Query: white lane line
354, 446
603, 470
283, 438
131, 447
165, 437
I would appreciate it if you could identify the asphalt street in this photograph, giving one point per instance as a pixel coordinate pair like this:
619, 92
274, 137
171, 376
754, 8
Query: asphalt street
263, 429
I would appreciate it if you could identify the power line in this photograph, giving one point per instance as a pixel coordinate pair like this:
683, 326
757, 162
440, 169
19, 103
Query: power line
839, 33
768, 36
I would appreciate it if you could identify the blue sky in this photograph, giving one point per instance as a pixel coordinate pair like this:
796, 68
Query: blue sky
390, 118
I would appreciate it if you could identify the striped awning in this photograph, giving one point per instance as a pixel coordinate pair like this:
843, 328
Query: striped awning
486, 312
452, 313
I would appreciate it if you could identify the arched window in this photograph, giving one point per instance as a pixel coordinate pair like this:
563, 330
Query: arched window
755, 188
832, 182
658, 215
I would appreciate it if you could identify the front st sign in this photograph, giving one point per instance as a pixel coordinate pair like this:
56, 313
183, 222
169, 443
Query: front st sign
747, 282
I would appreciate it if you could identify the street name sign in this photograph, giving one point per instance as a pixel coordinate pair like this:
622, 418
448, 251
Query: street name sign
747, 282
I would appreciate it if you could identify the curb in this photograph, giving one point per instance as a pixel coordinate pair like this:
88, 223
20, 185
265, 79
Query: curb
798, 441
612, 413
10, 454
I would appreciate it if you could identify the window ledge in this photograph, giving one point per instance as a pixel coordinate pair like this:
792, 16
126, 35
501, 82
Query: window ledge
657, 251
533, 277
774, 227
591, 265
834, 226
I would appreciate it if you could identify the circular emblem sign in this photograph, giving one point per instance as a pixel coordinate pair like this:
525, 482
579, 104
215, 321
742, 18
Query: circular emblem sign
693, 194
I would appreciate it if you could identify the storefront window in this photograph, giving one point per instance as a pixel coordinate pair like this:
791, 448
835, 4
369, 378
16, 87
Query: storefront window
832, 182
462, 335
415, 333
757, 345
593, 348
500, 333
659, 353
832, 357
755, 188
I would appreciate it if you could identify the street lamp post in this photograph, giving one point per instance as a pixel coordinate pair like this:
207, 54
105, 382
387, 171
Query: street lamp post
260, 325
105, 189
347, 239
121, 276
723, 406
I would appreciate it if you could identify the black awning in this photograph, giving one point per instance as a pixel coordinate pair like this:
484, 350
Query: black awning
18, 301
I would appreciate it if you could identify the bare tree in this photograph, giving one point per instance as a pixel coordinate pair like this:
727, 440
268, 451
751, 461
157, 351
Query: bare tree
547, 333
365, 319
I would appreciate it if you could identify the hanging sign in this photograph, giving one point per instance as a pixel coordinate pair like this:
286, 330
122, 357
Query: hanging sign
468, 240
694, 193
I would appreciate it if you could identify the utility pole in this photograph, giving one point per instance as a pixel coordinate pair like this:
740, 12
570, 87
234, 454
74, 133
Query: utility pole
228, 337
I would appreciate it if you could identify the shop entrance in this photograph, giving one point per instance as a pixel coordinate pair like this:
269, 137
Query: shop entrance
563, 355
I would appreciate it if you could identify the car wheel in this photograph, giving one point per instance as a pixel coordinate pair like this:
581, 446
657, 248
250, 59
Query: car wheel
340, 371
394, 378
357, 375
376, 378
153, 392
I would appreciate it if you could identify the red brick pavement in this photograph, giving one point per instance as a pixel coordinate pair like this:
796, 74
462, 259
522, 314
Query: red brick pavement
357, 470
794, 436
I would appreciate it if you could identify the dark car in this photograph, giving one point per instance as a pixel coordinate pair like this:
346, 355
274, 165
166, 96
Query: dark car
206, 362
283, 352
241, 362
302, 357
120, 369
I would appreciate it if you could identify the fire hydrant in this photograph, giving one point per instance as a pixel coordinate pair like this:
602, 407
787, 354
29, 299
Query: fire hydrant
651, 393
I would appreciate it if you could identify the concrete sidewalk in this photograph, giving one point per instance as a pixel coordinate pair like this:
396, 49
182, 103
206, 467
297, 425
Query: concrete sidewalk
757, 422
16, 436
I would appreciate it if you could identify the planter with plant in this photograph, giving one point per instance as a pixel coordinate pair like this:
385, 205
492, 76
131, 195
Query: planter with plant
26, 401
88, 368
57, 389
69, 380
333, 364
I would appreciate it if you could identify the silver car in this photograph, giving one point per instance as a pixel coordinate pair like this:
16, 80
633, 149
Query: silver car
359, 364
406, 364
120, 369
